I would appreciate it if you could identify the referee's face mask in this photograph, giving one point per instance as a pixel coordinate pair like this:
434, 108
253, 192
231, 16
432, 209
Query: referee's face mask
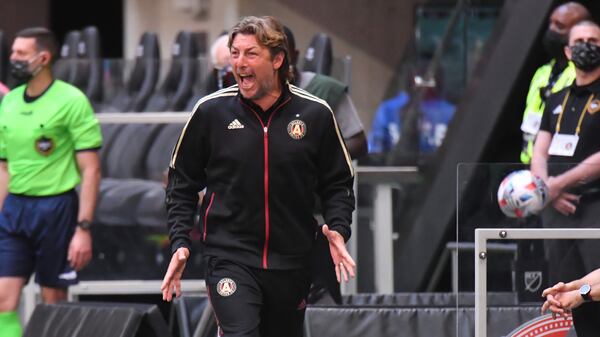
25, 70
585, 56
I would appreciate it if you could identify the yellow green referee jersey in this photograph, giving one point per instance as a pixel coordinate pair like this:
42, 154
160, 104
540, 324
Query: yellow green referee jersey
39, 138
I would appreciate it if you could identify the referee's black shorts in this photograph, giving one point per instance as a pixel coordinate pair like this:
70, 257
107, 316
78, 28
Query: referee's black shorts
252, 302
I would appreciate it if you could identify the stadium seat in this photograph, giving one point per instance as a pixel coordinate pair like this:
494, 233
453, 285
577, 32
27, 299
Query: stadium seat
176, 89
97, 319
159, 154
109, 134
201, 84
142, 80
65, 67
119, 200
126, 159
151, 210
319, 57
89, 78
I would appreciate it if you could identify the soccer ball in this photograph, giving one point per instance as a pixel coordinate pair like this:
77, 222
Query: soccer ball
522, 194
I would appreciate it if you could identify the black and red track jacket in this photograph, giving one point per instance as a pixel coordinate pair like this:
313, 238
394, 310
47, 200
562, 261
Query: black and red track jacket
262, 171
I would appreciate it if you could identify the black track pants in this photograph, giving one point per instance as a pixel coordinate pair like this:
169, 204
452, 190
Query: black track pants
252, 302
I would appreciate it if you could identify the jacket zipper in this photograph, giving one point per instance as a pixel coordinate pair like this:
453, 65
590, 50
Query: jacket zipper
266, 185
265, 254
212, 197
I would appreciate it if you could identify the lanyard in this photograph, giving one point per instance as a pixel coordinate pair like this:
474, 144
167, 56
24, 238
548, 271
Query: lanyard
562, 111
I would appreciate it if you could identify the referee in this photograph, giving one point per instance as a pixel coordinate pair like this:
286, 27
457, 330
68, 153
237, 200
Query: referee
48, 141
262, 148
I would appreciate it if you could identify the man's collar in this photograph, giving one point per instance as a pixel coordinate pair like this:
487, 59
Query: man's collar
593, 87
285, 93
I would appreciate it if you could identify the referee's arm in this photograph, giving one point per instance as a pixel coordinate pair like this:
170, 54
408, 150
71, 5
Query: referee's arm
80, 247
89, 166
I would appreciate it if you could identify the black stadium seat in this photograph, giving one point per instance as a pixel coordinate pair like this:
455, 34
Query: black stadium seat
126, 159
142, 80
89, 54
151, 210
109, 134
159, 154
318, 57
176, 89
119, 200
65, 67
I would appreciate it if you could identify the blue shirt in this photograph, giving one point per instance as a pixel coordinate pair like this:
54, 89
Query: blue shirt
436, 113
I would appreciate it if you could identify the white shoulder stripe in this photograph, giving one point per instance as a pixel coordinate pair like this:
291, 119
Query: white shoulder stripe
231, 91
305, 94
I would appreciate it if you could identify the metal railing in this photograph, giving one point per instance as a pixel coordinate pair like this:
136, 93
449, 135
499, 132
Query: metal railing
482, 235
31, 292
452, 250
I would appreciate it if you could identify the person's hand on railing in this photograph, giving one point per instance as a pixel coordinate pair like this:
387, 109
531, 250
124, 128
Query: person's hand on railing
560, 299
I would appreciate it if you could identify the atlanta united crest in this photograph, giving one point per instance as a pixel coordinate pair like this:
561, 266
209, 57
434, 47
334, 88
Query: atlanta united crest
296, 129
226, 287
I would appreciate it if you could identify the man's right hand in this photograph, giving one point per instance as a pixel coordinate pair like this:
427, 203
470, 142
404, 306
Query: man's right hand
172, 280
566, 203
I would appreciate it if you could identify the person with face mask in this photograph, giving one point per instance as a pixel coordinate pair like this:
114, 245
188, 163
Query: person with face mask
49, 139
567, 156
221, 75
553, 76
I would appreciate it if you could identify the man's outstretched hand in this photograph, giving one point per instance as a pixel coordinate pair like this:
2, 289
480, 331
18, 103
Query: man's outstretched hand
172, 280
344, 264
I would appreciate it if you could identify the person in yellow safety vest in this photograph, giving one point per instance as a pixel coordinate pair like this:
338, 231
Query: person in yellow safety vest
553, 76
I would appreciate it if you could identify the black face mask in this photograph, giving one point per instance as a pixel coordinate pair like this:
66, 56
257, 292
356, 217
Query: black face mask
554, 44
586, 56
19, 69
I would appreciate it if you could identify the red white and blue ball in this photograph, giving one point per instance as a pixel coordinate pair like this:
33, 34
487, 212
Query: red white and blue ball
522, 194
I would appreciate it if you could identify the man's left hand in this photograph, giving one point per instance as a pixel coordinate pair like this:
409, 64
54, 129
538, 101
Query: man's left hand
80, 249
344, 264
570, 300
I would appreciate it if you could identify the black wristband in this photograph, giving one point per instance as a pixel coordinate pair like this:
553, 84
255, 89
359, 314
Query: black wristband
84, 224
